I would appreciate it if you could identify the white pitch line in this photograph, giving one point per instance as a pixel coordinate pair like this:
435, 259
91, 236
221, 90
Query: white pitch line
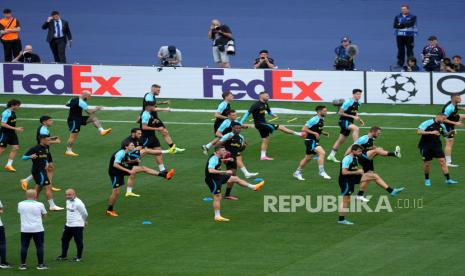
209, 124
276, 110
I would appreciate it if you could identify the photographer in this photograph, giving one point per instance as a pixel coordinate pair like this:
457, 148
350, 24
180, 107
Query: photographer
220, 35
405, 26
344, 58
447, 66
170, 56
457, 64
27, 56
432, 55
264, 62
411, 65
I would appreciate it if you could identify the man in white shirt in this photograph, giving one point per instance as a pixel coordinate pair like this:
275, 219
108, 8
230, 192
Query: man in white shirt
31, 213
76, 219
3, 263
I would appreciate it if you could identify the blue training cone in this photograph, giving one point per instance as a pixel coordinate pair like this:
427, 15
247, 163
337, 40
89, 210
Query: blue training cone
146, 222
258, 180
207, 199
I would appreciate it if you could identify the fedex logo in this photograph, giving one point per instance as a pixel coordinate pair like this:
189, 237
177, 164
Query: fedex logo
72, 81
274, 82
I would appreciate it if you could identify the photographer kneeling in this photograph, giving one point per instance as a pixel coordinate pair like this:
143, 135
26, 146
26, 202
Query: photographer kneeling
170, 56
264, 61
345, 54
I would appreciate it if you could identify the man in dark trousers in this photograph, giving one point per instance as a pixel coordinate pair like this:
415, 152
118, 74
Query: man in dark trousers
58, 36
405, 26
76, 219
9, 35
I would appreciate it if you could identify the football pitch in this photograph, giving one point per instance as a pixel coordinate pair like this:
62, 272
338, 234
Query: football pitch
184, 239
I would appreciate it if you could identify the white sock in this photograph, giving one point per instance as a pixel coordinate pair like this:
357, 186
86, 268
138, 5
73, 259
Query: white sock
297, 133
161, 167
250, 186
217, 213
51, 203
244, 170
29, 178
333, 153
128, 189
263, 152
10, 162
448, 159
69, 149
100, 129
321, 168
298, 171
209, 145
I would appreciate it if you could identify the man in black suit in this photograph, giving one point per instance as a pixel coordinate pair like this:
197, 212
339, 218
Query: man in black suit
58, 35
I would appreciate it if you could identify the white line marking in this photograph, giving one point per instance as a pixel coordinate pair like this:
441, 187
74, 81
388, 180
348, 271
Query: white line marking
210, 124
276, 110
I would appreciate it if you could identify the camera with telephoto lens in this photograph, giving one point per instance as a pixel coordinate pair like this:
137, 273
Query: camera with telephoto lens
426, 59
165, 62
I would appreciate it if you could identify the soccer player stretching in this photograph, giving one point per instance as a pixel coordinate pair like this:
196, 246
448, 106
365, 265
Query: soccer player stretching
258, 111
347, 116
222, 113
349, 176
453, 120
118, 168
76, 120
235, 143
314, 128
151, 98
431, 147
43, 130
8, 132
135, 156
215, 178
39, 155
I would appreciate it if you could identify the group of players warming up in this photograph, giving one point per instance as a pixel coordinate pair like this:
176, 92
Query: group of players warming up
357, 166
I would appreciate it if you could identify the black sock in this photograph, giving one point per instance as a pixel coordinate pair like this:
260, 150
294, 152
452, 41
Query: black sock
341, 218
171, 145
426, 176
162, 174
228, 192
360, 193
391, 153
389, 189
110, 208
447, 176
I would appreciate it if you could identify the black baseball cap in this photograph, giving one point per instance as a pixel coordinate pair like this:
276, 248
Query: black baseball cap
172, 49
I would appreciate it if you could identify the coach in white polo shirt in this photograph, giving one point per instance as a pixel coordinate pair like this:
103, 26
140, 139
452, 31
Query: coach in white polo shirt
3, 262
76, 219
31, 213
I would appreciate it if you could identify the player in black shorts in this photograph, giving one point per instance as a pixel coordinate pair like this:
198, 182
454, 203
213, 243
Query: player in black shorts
39, 156
215, 178
350, 175
223, 110
370, 151
313, 130
348, 113
8, 132
259, 110
224, 128
120, 166
431, 147
43, 130
151, 97
136, 155
148, 125
76, 119
451, 110
235, 144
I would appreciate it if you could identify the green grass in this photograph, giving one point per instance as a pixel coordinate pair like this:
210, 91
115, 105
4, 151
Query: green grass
184, 239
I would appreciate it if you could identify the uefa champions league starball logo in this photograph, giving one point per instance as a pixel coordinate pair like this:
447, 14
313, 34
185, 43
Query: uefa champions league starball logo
399, 88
